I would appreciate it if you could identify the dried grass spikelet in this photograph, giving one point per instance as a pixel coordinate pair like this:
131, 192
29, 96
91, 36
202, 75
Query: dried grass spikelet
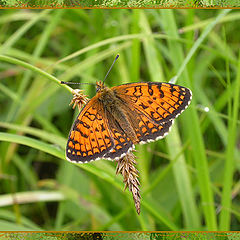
79, 99
129, 172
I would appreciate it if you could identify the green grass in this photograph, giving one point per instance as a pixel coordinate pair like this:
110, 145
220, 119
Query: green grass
189, 180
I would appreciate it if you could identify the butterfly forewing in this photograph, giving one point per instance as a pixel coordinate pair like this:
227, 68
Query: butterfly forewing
89, 138
160, 102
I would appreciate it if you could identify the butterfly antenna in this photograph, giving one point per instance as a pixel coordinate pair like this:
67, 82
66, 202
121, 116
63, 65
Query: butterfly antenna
62, 82
111, 67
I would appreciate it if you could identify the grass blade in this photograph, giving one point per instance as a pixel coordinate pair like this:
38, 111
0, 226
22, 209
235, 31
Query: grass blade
229, 163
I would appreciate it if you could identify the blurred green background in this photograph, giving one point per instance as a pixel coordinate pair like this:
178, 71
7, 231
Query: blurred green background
189, 180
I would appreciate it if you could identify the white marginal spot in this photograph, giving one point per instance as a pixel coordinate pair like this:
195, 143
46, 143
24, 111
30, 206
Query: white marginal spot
74, 161
99, 158
122, 155
159, 137
95, 159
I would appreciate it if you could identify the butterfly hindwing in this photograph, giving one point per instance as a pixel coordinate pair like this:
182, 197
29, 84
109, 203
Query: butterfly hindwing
89, 138
122, 143
149, 131
146, 129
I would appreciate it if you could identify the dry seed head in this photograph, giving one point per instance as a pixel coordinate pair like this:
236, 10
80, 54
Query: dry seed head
79, 99
130, 177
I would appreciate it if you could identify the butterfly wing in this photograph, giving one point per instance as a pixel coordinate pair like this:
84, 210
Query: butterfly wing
90, 138
122, 143
155, 132
160, 102
152, 107
148, 131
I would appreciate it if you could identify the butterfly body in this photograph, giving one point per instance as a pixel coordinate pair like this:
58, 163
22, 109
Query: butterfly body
115, 107
117, 118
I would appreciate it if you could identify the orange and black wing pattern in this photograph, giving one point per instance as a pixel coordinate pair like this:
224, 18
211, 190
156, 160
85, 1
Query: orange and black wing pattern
160, 102
148, 130
122, 142
153, 107
89, 138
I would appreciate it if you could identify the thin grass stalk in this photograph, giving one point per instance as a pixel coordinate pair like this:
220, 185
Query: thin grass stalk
136, 48
183, 181
19, 33
198, 146
36, 54
191, 215
230, 161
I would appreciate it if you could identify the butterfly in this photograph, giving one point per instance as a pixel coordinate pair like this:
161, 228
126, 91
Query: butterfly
117, 118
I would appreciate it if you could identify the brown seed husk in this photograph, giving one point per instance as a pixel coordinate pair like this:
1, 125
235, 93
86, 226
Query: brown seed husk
79, 99
130, 177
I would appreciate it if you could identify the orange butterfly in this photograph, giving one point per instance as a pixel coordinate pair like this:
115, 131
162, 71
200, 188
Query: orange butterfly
117, 118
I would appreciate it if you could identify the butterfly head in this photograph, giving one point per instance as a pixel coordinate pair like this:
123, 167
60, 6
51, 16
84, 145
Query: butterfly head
100, 86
